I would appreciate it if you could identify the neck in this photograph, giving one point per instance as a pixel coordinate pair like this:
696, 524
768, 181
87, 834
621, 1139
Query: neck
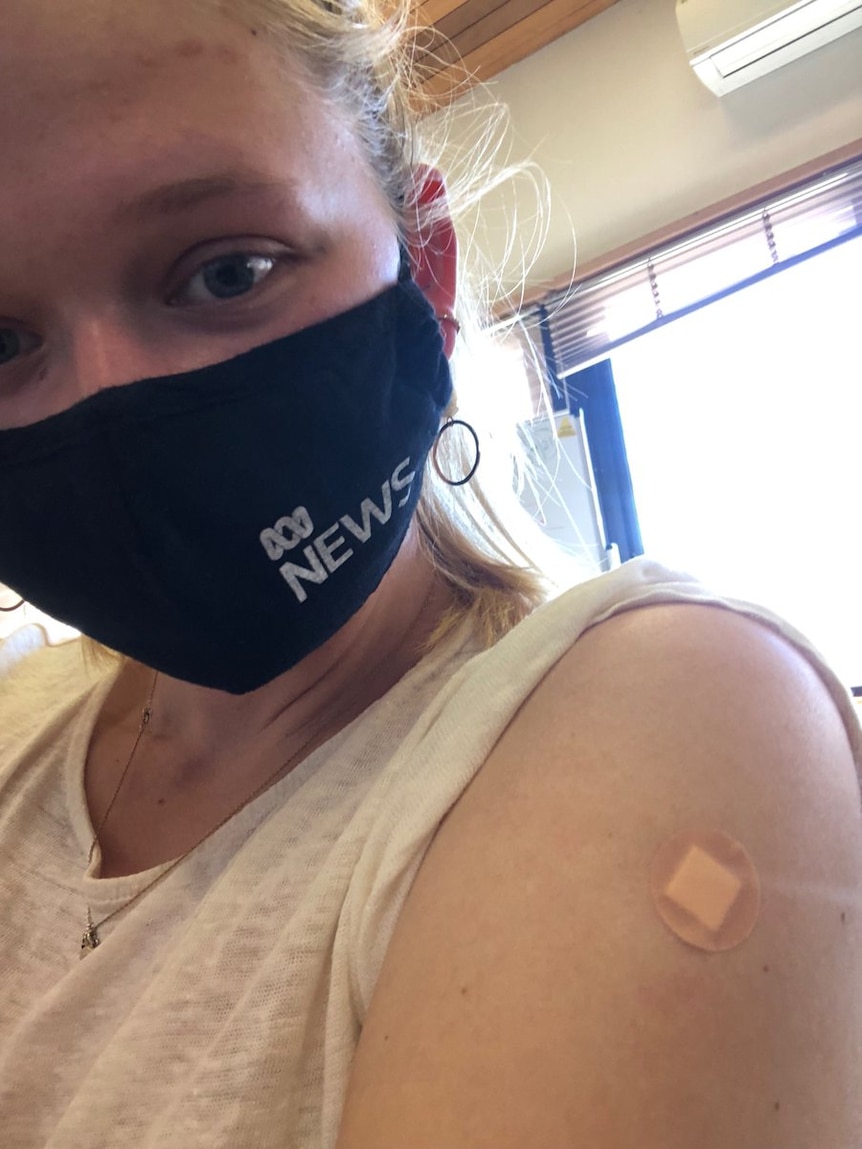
194, 724
205, 753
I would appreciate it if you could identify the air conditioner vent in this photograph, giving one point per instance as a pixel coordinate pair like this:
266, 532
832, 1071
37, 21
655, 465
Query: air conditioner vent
732, 42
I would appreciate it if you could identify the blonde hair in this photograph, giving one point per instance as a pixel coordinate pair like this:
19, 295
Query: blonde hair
362, 57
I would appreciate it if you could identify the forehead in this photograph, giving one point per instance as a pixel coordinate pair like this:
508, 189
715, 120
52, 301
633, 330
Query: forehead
107, 51
96, 90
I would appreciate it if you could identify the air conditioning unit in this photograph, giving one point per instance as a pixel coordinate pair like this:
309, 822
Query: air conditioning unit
732, 42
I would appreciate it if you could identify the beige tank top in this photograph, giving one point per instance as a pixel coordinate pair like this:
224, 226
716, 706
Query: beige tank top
224, 1007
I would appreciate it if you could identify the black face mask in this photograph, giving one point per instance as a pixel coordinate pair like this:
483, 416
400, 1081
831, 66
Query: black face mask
221, 524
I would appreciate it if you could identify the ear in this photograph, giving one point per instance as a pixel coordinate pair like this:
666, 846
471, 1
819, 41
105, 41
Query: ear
433, 247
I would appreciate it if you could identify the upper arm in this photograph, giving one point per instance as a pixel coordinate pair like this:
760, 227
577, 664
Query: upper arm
532, 996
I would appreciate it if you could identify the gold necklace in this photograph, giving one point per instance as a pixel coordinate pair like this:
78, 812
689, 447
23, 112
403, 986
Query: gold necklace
91, 939
146, 714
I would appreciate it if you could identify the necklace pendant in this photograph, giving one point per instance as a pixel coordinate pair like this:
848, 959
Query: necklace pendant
90, 940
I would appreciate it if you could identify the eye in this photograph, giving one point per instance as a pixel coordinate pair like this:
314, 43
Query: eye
13, 343
228, 277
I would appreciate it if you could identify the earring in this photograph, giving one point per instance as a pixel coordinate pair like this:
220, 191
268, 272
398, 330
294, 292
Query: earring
450, 329
447, 426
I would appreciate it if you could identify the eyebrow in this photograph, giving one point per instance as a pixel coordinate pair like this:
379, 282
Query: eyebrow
185, 195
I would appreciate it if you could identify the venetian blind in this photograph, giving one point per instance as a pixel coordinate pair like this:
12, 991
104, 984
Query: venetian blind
587, 321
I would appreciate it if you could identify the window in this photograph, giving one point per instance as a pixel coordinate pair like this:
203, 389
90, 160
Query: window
722, 407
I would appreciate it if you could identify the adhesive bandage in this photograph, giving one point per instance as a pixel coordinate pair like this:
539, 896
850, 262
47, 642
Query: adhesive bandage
705, 888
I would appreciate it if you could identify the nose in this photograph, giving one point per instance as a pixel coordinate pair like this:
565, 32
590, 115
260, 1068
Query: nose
105, 351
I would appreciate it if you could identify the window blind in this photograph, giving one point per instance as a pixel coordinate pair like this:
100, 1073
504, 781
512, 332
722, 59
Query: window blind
587, 321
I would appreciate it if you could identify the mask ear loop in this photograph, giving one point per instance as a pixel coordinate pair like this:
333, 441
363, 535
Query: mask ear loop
11, 609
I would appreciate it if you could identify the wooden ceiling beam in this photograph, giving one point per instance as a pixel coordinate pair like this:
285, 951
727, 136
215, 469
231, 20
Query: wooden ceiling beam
532, 31
433, 11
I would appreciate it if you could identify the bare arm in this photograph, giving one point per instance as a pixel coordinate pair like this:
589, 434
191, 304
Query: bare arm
532, 996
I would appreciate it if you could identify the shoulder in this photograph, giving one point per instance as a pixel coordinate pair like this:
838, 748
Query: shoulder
689, 676
36, 680
531, 993
27, 656
19, 644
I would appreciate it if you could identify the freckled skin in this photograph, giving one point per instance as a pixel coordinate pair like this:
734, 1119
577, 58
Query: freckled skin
143, 95
148, 93
188, 48
191, 49
672, 997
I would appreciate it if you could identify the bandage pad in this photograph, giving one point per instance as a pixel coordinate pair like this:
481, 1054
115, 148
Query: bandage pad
706, 889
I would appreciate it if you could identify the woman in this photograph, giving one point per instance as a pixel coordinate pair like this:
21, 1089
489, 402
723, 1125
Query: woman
332, 852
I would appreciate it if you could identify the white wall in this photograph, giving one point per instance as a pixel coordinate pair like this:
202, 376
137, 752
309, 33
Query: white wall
632, 141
